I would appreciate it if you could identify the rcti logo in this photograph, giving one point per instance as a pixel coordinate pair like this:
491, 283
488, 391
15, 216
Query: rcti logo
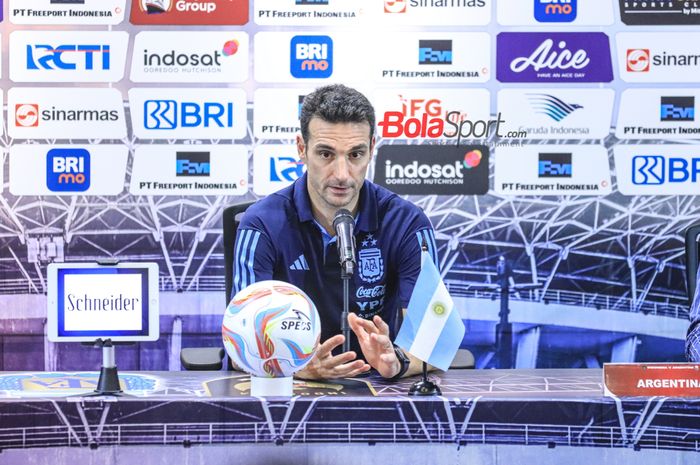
286, 169
311, 57
554, 165
677, 108
434, 52
192, 164
395, 6
638, 60
68, 57
27, 115
170, 114
68, 170
555, 11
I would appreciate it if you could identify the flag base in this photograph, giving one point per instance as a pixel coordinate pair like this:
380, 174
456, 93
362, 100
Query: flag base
424, 387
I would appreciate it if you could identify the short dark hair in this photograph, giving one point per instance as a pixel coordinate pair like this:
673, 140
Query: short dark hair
336, 103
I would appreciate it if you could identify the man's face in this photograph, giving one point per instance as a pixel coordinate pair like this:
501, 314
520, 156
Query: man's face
336, 158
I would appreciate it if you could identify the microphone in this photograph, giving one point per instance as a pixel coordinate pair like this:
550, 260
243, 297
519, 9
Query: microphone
344, 226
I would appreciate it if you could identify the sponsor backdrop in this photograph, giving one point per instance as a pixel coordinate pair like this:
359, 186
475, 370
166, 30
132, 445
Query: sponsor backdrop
559, 134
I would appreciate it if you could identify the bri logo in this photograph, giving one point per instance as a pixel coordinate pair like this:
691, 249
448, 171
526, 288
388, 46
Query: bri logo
555, 11
68, 170
311, 57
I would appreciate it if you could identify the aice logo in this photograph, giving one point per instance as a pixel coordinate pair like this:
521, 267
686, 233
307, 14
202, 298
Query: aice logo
286, 169
395, 6
553, 57
434, 52
547, 57
311, 57
555, 11
192, 164
677, 108
655, 170
170, 114
27, 115
68, 170
552, 106
554, 165
638, 60
85, 57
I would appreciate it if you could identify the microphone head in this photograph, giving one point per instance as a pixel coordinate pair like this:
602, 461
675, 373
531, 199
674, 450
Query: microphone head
342, 216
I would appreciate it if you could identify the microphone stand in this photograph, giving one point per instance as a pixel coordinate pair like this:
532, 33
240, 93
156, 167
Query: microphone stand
346, 270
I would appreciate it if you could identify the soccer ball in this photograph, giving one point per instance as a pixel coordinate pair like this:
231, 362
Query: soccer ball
271, 329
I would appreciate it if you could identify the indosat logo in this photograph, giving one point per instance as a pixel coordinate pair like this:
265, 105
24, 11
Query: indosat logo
68, 170
420, 173
311, 57
173, 61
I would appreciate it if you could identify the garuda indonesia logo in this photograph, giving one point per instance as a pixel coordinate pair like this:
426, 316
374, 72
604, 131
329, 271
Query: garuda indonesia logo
371, 263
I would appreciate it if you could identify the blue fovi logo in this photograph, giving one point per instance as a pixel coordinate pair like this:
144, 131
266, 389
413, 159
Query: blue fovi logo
68, 170
311, 57
555, 11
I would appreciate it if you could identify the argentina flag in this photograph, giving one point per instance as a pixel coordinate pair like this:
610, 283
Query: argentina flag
432, 329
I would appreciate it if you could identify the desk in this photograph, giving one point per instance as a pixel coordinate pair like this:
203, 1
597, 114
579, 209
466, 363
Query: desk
562, 409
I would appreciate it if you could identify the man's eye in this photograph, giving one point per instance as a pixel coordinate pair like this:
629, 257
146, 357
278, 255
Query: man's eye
356, 155
325, 155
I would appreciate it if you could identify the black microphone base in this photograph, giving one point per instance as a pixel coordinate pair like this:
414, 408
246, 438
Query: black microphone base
424, 387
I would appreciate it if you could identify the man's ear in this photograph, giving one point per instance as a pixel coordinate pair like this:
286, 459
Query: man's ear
301, 148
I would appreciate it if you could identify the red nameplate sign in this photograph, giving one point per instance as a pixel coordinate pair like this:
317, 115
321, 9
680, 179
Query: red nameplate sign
652, 379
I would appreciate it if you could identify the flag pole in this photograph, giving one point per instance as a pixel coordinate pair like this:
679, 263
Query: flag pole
424, 387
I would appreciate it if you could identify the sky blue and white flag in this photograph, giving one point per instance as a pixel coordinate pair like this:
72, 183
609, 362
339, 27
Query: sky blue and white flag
432, 329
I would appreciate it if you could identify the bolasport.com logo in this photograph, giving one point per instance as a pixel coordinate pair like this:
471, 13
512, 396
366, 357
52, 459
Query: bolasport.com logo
433, 169
190, 12
68, 170
425, 119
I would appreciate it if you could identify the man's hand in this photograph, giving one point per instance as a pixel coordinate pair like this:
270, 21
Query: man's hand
376, 346
325, 365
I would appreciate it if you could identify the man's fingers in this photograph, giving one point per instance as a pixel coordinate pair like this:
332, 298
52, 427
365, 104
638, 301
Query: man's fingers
328, 345
381, 325
357, 326
349, 369
339, 359
382, 342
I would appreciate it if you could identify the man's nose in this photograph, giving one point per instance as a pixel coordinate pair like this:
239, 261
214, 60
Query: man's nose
341, 168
